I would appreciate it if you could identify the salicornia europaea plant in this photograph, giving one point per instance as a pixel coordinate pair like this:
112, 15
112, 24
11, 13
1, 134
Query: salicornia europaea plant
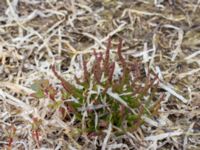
111, 90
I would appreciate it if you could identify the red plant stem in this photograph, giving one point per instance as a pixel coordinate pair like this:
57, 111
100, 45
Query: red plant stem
112, 68
86, 73
10, 140
107, 57
123, 62
97, 70
119, 51
67, 86
52, 97
36, 135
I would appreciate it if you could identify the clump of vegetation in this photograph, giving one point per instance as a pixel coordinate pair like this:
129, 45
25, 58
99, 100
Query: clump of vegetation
112, 91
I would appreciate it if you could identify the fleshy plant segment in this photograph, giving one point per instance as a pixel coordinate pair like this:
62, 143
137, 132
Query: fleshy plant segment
112, 91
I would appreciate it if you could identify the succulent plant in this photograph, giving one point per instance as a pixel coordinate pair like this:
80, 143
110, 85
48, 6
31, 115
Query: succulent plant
111, 90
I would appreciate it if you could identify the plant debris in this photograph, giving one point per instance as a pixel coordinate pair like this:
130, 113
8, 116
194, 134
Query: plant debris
162, 36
